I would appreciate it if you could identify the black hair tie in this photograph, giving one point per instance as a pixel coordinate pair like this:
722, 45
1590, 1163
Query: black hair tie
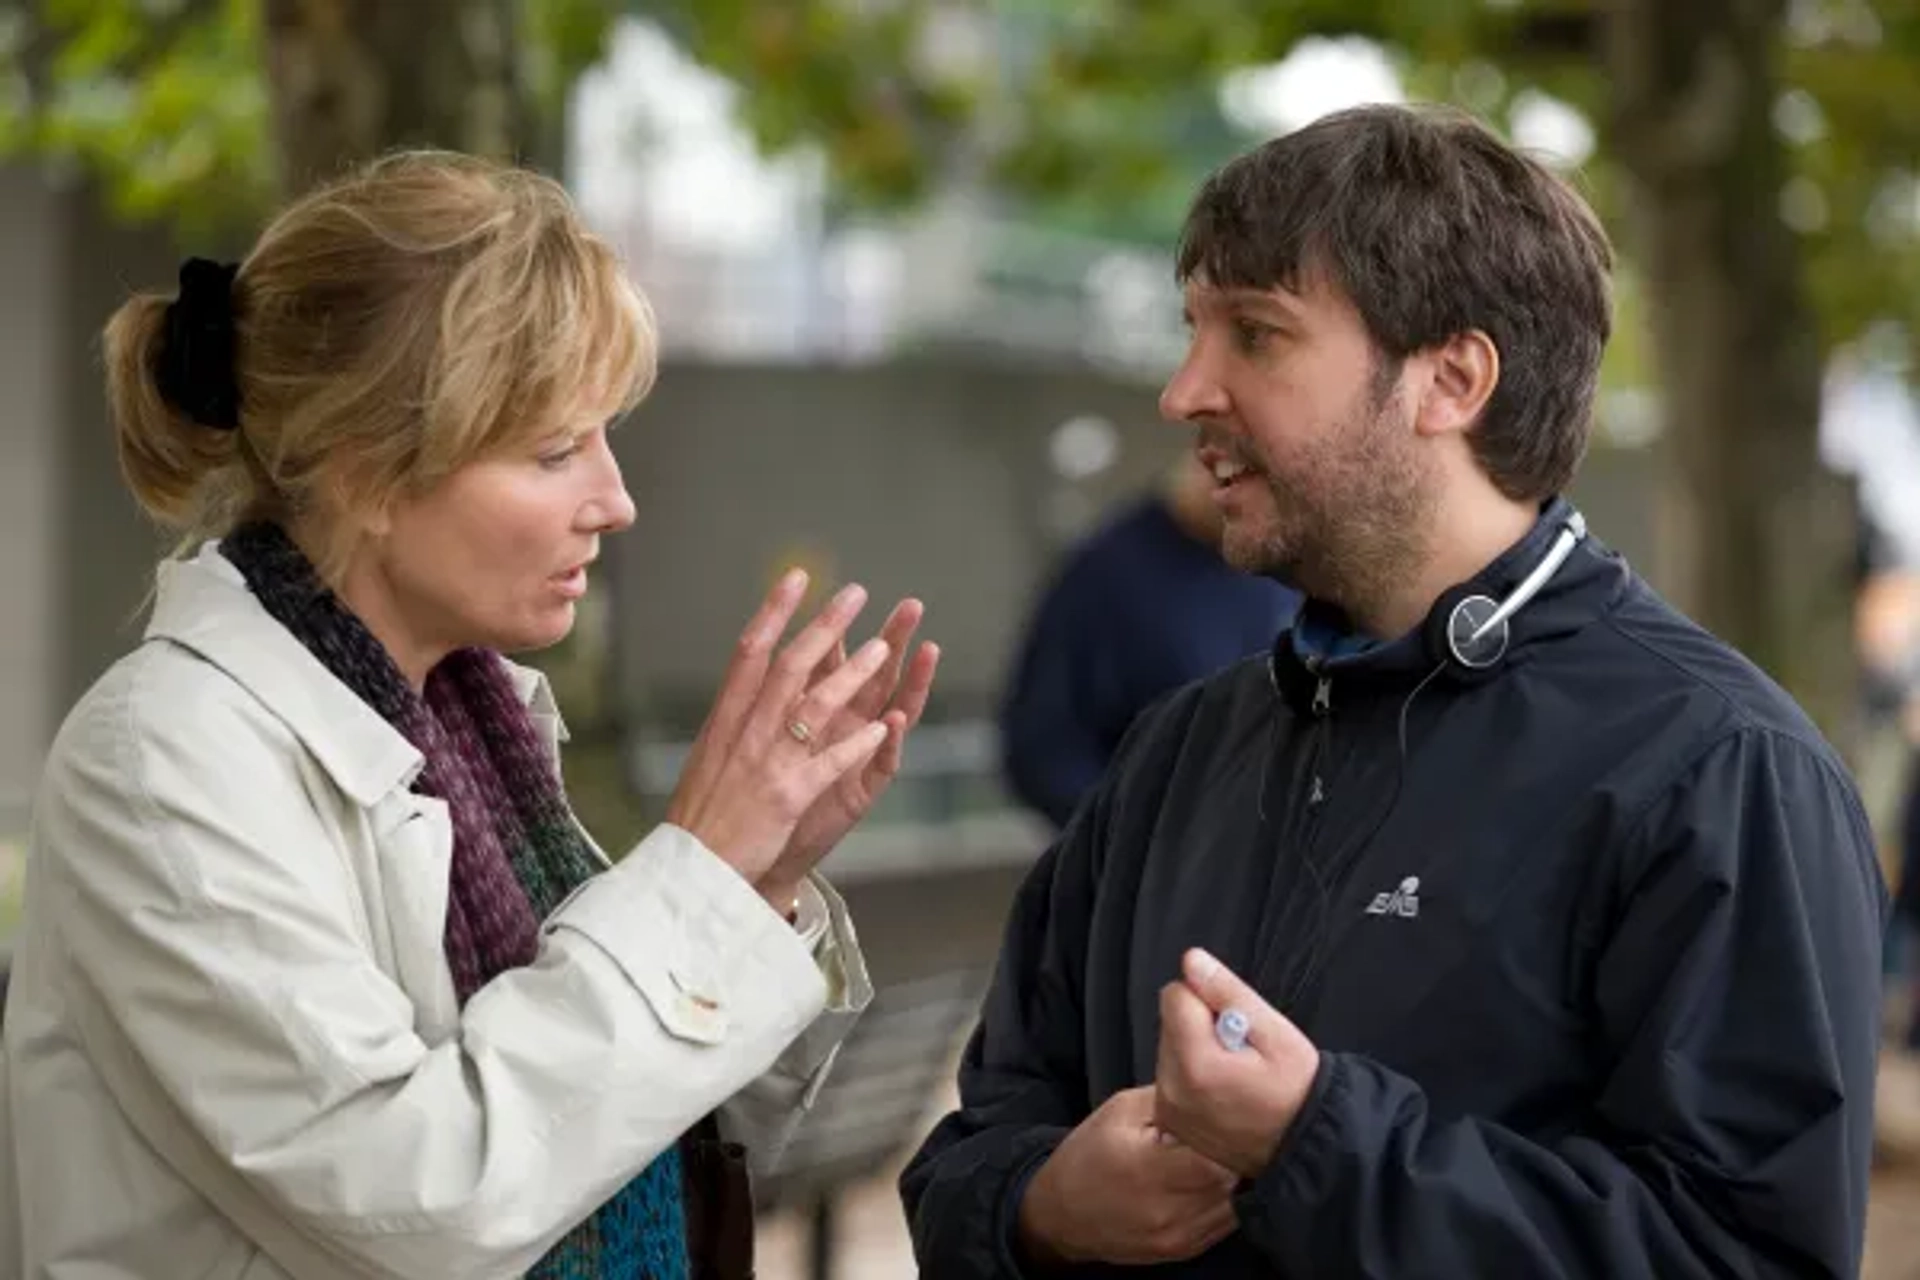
195, 370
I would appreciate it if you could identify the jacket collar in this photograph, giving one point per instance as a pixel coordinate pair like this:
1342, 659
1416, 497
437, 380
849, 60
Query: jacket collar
1587, 586
202, 604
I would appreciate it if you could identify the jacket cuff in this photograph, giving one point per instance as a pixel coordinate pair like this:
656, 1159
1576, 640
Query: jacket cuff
1013, 1260
695, 939
1296, 1180
810, 916
837, 956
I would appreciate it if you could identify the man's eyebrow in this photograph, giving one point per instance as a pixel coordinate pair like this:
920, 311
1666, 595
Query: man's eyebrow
1264, 299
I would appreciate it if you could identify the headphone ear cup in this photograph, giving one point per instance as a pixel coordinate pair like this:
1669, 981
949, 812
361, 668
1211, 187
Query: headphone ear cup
1433, 632
1449, 626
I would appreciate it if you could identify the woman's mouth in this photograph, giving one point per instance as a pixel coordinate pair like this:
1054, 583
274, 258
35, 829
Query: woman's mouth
572, 583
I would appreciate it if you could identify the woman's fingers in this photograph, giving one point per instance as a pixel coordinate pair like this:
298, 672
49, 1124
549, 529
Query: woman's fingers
786, 677
872, 697
817, 708
841, 758
908, 705
746, 673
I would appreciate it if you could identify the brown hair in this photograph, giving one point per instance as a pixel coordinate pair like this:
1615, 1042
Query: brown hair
1433, 227
420, 313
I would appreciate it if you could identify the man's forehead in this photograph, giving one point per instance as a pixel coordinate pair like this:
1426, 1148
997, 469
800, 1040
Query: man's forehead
1202, 295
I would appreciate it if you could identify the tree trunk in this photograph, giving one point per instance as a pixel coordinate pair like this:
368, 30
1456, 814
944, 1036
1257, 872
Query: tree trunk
354, 78
1760, 536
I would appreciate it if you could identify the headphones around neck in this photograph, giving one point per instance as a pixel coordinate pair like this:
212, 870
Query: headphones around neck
1471, 633
1466, 633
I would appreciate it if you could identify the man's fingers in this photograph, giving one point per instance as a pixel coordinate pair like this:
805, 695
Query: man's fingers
1132, 1108
1186, 1025
1218, 989
1181, 1168
1215, 1225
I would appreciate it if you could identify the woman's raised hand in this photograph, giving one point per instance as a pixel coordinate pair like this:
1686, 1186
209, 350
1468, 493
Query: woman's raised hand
774, 743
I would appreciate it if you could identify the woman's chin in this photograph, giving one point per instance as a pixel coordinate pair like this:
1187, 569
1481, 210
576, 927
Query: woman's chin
543, 631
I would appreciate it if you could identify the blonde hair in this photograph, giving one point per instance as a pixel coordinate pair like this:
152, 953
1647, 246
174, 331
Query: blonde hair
426, 311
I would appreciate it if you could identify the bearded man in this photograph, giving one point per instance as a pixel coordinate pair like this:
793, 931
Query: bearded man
1500, 923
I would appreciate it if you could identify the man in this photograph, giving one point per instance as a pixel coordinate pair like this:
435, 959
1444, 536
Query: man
1554, 943
1140, 608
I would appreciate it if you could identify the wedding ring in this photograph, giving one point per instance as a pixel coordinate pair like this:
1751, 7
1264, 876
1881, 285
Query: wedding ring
799, 732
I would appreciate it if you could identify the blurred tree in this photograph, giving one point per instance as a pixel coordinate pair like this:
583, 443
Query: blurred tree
1762, 538
202, 111
350, 78
1717, 119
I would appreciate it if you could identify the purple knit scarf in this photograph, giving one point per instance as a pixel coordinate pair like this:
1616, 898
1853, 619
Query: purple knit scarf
517, 851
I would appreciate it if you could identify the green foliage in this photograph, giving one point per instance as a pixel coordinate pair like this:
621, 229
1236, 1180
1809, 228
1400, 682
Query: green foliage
1094, 115
165, 101
865, 80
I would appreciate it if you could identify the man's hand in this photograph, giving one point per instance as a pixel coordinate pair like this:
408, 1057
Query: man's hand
1119, 1191
1232, 1107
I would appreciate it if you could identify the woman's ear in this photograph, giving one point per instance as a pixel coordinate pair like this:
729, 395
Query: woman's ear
1466, 369
350, 510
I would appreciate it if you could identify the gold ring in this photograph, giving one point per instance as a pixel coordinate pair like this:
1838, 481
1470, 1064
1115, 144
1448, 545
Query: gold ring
799, 732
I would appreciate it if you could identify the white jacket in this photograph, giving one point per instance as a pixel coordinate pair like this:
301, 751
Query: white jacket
232, 1047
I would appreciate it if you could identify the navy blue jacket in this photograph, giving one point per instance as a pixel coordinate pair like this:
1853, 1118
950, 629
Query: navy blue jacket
1139, 609
1591, 948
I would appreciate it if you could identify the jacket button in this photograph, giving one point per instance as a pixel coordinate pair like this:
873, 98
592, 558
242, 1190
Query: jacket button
693, 992
700, 1017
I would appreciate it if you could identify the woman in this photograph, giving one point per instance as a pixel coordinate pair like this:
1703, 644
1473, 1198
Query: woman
318, 975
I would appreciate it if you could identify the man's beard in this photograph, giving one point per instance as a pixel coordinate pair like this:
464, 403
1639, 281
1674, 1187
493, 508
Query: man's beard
1356, 526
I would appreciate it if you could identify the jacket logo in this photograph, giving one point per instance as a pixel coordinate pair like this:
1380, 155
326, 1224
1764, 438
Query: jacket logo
1403, 902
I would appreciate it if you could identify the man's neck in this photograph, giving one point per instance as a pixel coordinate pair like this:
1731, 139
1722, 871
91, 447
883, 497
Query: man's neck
1467, 538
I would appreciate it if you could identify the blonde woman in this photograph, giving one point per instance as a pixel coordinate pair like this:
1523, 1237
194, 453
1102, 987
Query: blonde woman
318, 975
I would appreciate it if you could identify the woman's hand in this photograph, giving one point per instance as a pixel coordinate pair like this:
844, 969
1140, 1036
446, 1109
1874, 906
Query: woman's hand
896, 695
772, 746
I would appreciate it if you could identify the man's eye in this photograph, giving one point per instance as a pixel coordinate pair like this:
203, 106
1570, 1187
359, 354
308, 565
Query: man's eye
1248, 336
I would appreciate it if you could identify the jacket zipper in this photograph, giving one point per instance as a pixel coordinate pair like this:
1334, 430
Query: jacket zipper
1306, 836
1322, 729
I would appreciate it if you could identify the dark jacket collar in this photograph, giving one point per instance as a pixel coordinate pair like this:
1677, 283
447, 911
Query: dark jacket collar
1588, 585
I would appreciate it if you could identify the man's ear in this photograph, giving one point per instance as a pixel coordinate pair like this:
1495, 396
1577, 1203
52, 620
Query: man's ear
1466, 369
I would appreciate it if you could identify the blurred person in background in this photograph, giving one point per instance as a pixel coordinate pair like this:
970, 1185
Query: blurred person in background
319, 975
1505, 923
1870, 430
1141, 607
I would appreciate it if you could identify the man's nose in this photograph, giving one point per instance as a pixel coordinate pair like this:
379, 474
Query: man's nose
1192, 393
